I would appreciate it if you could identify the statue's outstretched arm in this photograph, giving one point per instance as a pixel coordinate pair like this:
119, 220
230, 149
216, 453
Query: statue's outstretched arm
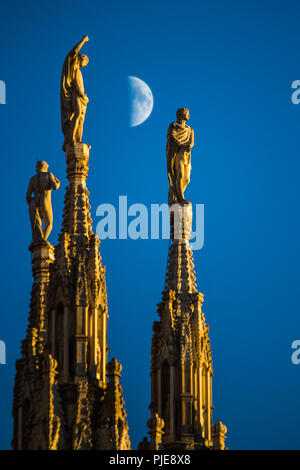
78, 46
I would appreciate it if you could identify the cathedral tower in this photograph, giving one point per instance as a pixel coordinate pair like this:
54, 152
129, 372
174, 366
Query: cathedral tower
61, 398
181, 361
66, 394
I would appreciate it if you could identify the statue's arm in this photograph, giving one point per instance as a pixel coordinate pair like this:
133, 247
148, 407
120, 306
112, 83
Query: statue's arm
172, 134
55, 183
192, 139
29, 192
78, 46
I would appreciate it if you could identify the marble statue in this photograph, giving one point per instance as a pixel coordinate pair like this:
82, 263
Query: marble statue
180, 141
39, 200
72, 95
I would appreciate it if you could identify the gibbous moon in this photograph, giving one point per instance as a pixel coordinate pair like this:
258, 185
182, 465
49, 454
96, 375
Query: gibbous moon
141, 101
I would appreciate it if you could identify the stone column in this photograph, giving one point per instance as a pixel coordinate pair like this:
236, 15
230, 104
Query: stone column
42, 258
200, 401
94, 333
66, 344
172, 404
104, 346
159, 390
209, 404
77, 220
20, 429
182, 401
81, 341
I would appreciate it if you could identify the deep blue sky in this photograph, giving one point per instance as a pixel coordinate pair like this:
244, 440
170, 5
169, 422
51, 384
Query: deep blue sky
232, 64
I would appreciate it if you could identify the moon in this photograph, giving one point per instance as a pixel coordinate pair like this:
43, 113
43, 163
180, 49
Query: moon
141, 101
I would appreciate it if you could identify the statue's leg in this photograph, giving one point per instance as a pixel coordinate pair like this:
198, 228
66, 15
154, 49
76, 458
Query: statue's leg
81, 122
185, 170
32, 213
78, 136
36, 221
179, 179
75, 120
48, 221
186, 179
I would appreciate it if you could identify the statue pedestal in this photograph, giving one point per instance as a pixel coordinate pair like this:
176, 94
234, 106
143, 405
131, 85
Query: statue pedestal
42, 257
77, 160
77, 219
181, 218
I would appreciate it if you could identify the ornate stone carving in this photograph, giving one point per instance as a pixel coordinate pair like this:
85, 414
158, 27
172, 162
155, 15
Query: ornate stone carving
82, 431
113, 428
219, 435
155, 425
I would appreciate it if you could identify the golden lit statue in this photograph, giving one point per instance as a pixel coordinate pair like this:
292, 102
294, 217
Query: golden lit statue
40, 207
72, 96
180, 141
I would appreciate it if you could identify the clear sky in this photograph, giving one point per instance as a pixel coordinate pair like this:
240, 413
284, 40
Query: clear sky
232, 64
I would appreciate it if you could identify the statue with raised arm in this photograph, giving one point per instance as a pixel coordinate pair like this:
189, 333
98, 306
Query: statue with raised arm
180, 141
39, 200
72, 96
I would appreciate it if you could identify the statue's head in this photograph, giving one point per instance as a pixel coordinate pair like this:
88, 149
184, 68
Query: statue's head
83, 60
41, 166
183, 113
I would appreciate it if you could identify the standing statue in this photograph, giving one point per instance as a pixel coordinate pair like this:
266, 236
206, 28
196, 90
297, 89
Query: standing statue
72, 96
180, 141
40, 207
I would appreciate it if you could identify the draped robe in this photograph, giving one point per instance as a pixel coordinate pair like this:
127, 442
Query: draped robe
178, 160
67, 78
71, 88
